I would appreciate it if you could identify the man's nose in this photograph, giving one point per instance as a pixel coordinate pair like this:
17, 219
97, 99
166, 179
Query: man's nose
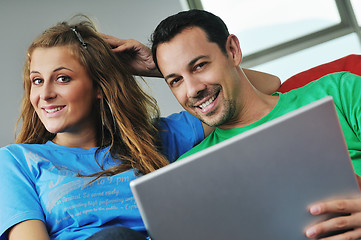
194, 87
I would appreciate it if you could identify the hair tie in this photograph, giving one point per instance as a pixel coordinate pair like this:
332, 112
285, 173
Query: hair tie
79, 37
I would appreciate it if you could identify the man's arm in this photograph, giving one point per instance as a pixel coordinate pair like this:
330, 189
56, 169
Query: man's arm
139, 56
264, 82
348, 225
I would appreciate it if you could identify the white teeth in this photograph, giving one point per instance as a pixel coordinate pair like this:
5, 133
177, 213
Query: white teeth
204, 105
53, 110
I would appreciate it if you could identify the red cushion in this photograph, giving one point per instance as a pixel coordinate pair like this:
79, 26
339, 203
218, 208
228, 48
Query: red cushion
350, 63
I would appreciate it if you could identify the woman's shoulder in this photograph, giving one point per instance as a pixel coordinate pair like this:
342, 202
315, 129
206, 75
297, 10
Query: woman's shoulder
179, 117
17, 152
48, 147
21, 147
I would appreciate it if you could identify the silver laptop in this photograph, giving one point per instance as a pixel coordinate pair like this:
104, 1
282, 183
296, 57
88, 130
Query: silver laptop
256, 185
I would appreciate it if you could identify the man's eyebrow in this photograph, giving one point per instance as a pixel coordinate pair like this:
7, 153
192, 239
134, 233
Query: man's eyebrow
169, 76
190, 64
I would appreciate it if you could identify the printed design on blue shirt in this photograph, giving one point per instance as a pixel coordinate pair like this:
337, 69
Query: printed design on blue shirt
68, 197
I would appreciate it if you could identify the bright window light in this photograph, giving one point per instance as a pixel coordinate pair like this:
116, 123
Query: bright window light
261, 24
356, 5
311, 57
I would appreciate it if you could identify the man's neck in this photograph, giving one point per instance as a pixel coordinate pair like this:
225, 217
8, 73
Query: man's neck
252, 105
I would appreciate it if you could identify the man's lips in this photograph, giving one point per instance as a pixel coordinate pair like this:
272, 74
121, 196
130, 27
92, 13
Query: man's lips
205, 103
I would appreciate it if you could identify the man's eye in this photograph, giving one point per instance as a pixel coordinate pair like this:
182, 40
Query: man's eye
63, 79
37, 81
174, 81
199, 66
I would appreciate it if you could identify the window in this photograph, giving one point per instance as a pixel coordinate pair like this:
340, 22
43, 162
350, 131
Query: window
297, 34
356, 4
287, 66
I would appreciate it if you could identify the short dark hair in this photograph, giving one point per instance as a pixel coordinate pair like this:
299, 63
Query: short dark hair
214, 27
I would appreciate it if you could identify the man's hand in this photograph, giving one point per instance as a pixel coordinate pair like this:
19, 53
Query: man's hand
348, 225
351, 223
139, 57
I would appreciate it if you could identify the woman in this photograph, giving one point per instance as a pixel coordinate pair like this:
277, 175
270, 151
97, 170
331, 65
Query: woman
87, 130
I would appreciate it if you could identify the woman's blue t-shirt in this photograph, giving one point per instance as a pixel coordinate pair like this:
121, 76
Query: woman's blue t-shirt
41, 181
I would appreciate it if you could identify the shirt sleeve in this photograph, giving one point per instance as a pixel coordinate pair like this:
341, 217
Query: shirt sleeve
19, 200
179, 132
350, 97
349, 103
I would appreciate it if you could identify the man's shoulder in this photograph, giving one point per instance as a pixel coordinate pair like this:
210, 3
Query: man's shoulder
207, 142
199, 147
217, 136
332, 84
337, 78
337, 84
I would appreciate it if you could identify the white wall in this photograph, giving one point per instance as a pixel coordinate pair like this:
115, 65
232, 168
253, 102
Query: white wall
22, 20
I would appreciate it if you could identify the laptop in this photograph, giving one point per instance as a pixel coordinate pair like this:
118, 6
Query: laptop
256, 185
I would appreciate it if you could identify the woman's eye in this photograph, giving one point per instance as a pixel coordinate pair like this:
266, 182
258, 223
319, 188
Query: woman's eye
37, 81
63, 79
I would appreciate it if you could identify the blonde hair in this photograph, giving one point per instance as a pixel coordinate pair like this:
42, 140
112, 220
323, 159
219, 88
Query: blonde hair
126, 114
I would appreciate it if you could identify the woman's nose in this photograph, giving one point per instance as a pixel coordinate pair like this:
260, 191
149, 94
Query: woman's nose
47, 91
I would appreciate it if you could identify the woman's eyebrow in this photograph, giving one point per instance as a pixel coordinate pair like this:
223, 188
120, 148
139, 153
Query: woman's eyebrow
61, 68
55, 70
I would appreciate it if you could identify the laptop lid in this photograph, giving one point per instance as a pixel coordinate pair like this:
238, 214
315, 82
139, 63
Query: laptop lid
256, 185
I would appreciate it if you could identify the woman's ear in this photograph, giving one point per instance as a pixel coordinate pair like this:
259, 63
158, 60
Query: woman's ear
233, 49
99, 93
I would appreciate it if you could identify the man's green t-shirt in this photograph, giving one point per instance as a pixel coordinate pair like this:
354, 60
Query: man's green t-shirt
345, 89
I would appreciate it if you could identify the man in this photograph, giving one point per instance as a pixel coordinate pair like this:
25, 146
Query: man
200, 60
